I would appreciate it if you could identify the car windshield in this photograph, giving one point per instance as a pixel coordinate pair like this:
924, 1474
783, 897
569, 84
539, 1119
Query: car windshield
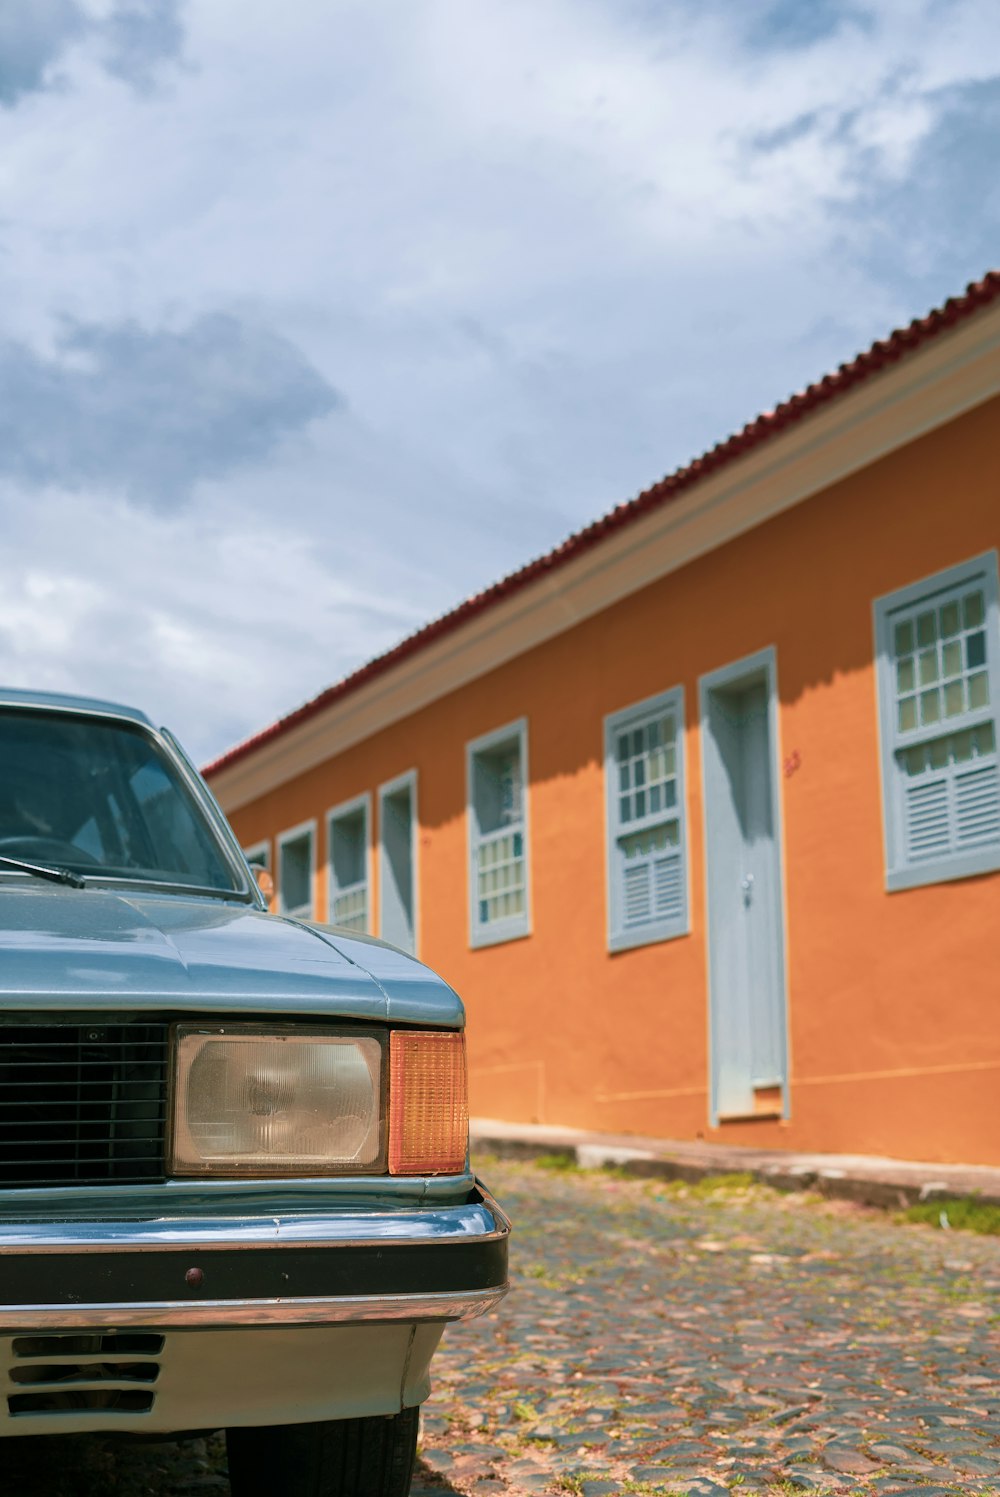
101, 797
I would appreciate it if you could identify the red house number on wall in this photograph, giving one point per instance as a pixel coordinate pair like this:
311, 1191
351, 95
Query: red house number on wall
792, 763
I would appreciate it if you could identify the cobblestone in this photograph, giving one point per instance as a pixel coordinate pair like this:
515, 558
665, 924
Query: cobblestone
705, 1339
733, 1339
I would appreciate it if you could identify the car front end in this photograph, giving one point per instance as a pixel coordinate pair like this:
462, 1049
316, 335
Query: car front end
234, 1180
224, 1299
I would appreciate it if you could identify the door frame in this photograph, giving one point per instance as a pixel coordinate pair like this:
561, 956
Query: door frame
761, 662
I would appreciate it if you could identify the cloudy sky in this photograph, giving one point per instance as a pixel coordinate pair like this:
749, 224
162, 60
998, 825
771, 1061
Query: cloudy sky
318, 316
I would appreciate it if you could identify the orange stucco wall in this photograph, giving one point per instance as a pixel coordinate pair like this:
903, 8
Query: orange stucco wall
893, 998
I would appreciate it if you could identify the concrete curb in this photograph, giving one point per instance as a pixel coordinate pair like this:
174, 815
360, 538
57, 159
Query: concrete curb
887, 1189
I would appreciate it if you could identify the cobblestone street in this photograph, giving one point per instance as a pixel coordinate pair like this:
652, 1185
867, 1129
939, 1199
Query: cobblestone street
674, 1338
698, 1338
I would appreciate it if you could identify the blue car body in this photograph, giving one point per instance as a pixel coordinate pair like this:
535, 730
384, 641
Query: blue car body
172, 1302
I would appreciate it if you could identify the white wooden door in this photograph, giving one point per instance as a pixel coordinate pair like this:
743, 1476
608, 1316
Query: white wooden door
745, 904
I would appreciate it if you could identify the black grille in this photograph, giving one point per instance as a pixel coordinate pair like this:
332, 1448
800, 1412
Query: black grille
81, 1401
82, 1104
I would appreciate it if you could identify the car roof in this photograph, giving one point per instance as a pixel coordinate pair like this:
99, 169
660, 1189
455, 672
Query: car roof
59, 701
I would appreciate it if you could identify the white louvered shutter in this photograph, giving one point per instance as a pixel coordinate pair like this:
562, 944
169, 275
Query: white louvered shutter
953, 811
977, 806
668, 886
927, 818
638, 893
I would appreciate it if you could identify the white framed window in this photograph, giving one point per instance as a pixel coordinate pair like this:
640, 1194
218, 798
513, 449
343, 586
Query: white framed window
347, 840
647, 836
259, 853
398, 833
497, 778
296, 861
938, 661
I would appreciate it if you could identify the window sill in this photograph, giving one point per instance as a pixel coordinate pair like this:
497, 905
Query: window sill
653, 935
944, 870
499, 936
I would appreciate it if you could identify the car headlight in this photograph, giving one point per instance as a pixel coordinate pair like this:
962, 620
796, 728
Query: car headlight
258, 1102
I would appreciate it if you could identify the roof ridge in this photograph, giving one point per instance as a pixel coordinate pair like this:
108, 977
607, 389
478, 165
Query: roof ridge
899, 343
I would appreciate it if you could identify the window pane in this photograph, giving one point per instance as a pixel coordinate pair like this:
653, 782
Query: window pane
975, 650
926, 628
649, 769
904, 638
930, 707
913, 760
928, 667
500, 877
623, 747
952, 658
937, 753
906, 678
641, 844
954, 699
907, 714
950, 621
973, 610
979, 690
949, 748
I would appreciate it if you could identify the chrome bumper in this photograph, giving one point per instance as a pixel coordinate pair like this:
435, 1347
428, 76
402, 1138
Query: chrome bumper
336, 1268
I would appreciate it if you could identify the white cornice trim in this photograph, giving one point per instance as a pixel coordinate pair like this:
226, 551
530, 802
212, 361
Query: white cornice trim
929, 387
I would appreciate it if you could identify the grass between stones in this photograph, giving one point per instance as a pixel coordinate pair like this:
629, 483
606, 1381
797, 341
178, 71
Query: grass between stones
962, 1214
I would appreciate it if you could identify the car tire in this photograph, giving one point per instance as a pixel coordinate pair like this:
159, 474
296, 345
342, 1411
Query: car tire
370, 1457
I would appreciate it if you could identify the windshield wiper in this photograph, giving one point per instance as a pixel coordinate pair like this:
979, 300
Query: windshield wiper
42, 870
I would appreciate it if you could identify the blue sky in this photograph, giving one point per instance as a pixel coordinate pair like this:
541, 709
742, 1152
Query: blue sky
319, 317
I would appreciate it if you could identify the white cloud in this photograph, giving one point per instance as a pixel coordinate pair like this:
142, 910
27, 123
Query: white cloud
545, 250
206, 626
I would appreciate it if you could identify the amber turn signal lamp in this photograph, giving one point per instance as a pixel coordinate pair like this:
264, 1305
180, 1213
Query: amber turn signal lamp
428, 1102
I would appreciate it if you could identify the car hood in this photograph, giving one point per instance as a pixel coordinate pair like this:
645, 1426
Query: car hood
96, 948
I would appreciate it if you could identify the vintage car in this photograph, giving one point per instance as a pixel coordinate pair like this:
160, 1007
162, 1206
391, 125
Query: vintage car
234, 1180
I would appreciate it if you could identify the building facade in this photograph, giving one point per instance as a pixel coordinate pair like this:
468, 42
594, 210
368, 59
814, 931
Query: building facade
701, 813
